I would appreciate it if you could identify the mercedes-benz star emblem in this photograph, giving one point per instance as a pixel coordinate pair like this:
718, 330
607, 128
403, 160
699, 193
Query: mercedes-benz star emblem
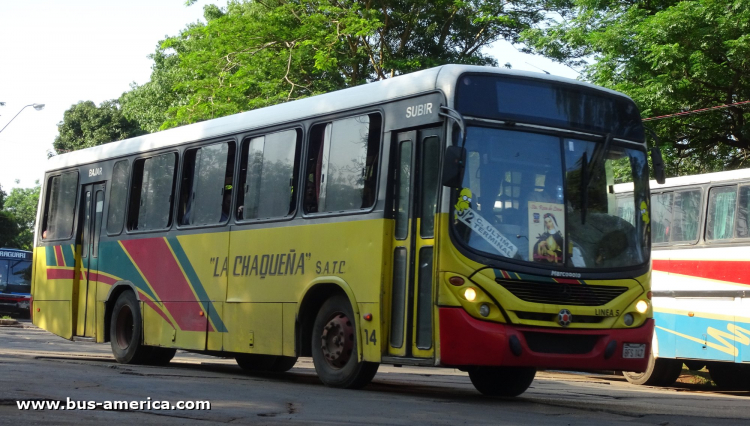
564, 318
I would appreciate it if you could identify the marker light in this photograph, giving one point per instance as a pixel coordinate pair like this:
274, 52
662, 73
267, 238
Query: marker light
641, 306
456, 281
484, 310
628, 319
470, 294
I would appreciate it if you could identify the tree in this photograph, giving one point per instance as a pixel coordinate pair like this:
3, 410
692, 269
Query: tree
21, 204
669, 56
260, 53
8, 230
85, 125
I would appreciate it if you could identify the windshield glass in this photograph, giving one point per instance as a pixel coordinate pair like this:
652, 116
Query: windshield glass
550, 200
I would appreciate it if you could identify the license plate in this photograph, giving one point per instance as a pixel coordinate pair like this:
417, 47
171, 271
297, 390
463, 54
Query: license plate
634, 350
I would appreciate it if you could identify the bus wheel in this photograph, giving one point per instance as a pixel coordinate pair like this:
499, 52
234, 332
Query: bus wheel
334, 347
730, 376
126, 332
659, 372
502, 381
160, 356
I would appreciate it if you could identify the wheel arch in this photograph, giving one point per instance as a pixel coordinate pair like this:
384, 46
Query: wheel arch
109, 302
313, 297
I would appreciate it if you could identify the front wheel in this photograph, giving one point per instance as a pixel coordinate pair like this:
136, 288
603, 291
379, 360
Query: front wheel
265, 363
334, 347
502, 381
659, 372
126, 331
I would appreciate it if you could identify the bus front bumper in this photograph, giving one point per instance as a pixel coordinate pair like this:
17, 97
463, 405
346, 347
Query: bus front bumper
466, 341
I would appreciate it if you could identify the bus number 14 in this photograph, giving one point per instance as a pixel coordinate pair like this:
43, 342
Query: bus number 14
370, 338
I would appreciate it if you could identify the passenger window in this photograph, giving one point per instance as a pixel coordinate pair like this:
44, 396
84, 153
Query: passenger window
686, 216
118, 197
342, 164
60, 206
206, 188
269, 175
152, 192
722, 202
661, 217
626, 209
743, 213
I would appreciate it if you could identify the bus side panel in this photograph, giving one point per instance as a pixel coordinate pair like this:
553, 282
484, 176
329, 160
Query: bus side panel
742, 323
277, 265
255, 328
54, 316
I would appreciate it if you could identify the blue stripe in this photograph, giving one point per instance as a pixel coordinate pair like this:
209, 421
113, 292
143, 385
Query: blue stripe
49, 252
200, 291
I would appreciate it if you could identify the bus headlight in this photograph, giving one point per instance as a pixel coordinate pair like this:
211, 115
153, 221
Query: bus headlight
628, 319
470, 294
641, 306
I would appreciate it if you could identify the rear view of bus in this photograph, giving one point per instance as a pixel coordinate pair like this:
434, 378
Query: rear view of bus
539, 271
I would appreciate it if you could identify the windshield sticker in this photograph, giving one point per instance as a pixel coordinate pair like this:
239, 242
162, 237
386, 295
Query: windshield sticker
546, 221
479, 225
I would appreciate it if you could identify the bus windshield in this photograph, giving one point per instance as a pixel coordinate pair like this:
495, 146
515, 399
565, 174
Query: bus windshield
550, 200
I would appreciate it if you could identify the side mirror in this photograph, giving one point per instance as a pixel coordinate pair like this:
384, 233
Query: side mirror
453, 166
658, 163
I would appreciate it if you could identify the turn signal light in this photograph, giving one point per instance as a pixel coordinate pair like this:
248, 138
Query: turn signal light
456, 281
470, 294
368, 317
641, 306
649, 294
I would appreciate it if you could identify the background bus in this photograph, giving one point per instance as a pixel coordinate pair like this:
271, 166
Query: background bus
15, 281
320, 228
701, 269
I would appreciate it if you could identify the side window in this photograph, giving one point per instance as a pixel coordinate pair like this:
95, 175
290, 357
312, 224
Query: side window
269, 174
722, 203
626, 209
743, 213
661, 217
206, 189
342, 164
60, 206
687, 207
118, 197
152, 192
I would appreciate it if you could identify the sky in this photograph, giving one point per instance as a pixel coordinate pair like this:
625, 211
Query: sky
58, 53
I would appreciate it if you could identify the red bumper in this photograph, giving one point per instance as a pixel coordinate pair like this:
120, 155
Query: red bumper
467, 341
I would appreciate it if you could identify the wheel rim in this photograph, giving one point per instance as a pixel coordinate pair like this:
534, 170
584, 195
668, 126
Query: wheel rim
337, 340
124, 327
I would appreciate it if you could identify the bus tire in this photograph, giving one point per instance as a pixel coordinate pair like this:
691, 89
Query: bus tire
334, 347
502, 381
284, 364
659, 372
160, 356
126, 331
730, 376
255, 362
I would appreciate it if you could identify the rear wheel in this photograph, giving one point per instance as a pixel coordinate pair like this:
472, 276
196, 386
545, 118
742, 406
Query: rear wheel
659, 372
502, 381
334, 347
730, 376
126, 331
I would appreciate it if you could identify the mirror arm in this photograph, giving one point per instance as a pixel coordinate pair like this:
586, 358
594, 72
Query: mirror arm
456, 116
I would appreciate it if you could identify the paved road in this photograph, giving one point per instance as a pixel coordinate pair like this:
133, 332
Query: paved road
35, 365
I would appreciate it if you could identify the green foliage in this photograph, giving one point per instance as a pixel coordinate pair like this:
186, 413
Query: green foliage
260, 53
21, 204
669, 56
8, 230
85, 125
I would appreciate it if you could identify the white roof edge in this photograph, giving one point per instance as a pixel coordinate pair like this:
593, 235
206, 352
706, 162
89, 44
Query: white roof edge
675, 182
438, 78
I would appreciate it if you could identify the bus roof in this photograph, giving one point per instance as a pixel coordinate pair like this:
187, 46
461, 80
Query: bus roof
691, 180
441, 78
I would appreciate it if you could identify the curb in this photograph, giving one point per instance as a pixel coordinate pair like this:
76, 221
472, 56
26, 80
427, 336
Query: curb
8, 322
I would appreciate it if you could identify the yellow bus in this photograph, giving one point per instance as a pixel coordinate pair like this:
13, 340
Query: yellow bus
458, 216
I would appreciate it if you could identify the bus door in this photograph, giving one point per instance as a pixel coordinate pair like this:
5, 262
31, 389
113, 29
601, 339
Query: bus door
415, 175
92, 204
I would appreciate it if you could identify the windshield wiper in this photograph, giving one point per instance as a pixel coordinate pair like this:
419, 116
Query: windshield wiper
587, 172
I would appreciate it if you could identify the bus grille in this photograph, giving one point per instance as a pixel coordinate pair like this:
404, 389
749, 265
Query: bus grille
563, 294
568, 344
